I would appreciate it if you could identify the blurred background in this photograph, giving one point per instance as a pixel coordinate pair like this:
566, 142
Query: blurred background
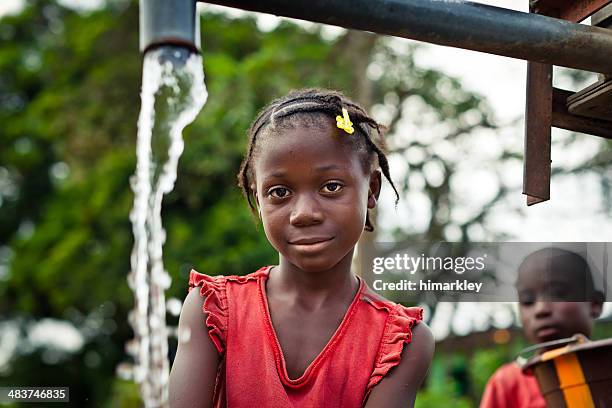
70, 75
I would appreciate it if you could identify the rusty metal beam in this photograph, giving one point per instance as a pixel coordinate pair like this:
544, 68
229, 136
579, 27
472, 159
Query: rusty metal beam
547, 107
594, 101
538, 120
563, 119
570, 10
459, 24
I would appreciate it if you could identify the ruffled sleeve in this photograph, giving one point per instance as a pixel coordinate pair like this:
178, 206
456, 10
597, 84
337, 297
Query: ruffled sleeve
215, 305
397, 332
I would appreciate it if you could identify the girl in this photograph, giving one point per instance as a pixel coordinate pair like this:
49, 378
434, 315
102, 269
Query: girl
306, 332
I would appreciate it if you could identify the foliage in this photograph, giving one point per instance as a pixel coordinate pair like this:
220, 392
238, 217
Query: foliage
441, 389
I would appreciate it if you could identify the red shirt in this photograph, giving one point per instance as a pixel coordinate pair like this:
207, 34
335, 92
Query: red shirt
252, 373
510, 387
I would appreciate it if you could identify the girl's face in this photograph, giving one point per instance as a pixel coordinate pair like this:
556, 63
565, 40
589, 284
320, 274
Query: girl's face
313, 195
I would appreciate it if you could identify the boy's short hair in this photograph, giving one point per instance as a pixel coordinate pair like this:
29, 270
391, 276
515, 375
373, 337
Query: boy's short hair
560, 260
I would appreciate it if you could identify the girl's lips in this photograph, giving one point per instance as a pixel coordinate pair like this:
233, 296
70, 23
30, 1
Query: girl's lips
311, 245
308, 241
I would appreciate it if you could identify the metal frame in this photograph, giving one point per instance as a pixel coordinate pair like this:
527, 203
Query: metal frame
459, 24
547, 106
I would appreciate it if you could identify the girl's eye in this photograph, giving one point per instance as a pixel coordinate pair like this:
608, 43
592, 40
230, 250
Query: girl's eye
332, 187
279, 192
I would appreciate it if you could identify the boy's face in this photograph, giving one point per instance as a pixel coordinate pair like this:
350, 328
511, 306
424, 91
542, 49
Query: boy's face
554, 298
313, 194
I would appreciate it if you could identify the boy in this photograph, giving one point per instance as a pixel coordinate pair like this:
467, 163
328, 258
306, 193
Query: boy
557, 299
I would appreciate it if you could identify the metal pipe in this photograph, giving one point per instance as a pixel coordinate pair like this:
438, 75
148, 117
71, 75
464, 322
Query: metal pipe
459, 24
169, 22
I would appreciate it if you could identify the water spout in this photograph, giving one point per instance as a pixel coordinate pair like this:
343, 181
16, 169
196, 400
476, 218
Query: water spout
165, 22
173, 92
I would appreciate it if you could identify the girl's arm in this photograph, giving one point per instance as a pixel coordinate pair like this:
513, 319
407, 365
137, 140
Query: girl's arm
399, 387
193, 375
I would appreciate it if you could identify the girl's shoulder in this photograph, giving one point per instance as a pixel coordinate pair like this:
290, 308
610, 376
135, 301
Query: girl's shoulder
402, 326
219, 281
213, 289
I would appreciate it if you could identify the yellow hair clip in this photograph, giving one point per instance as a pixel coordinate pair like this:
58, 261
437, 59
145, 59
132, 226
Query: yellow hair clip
344, 122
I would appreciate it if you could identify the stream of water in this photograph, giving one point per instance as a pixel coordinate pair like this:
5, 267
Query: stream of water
173, 92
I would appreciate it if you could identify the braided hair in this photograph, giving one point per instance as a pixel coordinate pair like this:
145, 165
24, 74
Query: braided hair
310, 106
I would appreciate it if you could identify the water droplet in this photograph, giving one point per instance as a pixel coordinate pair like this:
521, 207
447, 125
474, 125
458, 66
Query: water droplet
174, 305
184, 335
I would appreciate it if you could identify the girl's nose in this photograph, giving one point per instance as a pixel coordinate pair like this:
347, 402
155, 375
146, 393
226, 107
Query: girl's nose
306, 211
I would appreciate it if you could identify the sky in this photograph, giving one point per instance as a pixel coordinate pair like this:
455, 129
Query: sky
11, 6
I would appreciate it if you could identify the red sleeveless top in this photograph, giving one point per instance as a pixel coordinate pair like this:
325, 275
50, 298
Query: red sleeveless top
252, 373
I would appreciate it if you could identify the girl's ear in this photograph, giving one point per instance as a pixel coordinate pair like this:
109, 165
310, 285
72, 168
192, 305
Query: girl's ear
253, 187
374, 191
